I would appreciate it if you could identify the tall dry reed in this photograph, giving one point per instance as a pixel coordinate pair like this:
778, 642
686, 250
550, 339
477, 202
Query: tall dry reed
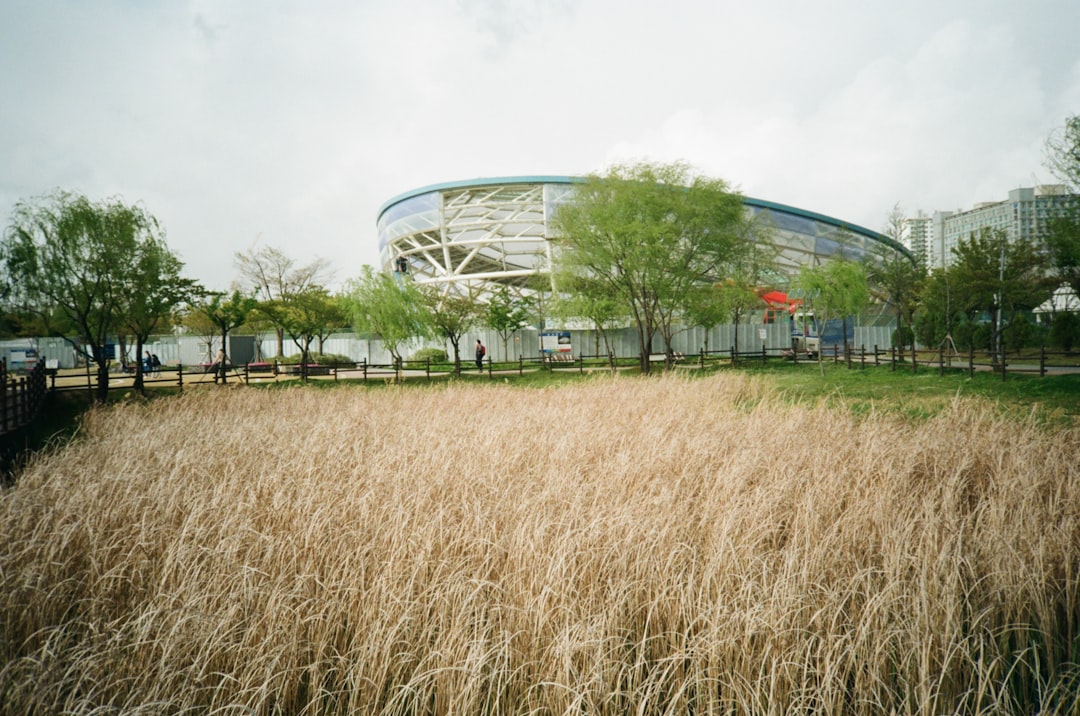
618, 546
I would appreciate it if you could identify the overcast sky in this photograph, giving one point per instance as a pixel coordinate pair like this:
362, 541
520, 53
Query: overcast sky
288, 124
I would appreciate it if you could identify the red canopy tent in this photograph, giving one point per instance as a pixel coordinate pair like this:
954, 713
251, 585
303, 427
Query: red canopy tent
775, 299
778, 300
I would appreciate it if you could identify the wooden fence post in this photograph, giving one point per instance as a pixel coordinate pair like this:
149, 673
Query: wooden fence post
1042, 361
971, 361
941, 359
180, 376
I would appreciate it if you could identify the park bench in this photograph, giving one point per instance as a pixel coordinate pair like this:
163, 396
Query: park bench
676, 357
565, 359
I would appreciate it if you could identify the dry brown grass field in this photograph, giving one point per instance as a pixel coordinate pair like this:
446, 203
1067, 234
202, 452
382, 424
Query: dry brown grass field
613, 546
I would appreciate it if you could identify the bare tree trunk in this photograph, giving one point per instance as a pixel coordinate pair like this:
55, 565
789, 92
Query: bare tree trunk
102, 395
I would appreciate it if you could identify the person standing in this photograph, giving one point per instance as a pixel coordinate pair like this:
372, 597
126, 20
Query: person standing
480, 353
219, 366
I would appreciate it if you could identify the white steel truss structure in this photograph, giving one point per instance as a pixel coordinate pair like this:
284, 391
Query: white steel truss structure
479, 234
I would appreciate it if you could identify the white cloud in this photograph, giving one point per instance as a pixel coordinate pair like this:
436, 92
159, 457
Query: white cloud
293, 122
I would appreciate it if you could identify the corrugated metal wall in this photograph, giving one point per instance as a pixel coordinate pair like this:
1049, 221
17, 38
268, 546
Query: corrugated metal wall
192, 350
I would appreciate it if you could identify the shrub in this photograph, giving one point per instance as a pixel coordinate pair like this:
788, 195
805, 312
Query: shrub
319, 358
1065, 331
435, 355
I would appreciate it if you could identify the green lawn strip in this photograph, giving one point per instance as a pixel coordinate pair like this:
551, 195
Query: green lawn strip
926, 392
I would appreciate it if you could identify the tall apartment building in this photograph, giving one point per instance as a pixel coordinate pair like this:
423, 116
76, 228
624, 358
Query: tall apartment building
1026, 214
918, 235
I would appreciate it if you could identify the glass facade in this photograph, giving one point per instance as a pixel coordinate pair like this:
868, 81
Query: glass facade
496, 231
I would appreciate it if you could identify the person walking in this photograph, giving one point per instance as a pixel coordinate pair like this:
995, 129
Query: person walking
480, 353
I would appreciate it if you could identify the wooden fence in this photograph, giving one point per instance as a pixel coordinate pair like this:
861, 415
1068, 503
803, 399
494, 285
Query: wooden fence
20, 397
855, 357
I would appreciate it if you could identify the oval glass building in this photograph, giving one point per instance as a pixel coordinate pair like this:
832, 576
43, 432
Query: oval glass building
496, 230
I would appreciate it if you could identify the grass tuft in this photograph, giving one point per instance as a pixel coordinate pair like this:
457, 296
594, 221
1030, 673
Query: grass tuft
610, 546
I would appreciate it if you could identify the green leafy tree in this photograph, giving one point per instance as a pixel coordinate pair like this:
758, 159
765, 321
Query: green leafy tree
706, 305
226, 312
450, 315
1063, 235
334, 318
17, 322
895, 280
197, 323
68, 257
999, 278
835, 289
271, 276
1065, 330
646, 234
507, 311
393, 310
937, 311
1063, 248
738, 294
153, 291
304, 316
577, 299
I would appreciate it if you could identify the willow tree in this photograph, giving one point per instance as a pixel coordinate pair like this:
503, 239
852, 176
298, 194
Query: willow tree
835, 289
391, 309
646, 234
91, 264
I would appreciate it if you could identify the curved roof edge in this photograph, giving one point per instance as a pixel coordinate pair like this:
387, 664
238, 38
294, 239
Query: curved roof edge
545, 179
487, 181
